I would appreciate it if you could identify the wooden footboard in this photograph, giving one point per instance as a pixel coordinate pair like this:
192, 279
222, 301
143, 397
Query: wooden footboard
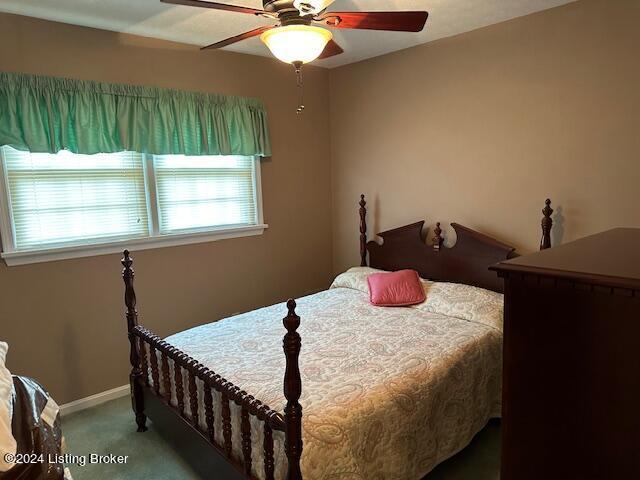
150, 358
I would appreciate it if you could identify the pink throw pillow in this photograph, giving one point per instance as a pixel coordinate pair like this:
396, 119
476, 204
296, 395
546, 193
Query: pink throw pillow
395, 289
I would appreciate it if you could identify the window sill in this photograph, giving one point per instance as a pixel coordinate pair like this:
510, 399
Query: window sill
78, 251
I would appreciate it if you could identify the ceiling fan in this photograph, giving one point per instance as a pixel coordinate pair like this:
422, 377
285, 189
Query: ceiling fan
295, 39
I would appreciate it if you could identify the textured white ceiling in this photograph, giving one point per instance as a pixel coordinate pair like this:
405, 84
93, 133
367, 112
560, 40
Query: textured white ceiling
199, 26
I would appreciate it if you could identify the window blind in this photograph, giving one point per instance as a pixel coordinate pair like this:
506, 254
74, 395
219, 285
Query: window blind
205, 191
68, 199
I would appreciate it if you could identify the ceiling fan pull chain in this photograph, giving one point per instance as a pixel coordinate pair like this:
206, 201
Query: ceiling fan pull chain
300, 85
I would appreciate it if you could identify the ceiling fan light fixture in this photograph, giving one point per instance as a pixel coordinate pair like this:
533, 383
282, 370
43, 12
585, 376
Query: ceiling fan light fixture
296, 43
311, 7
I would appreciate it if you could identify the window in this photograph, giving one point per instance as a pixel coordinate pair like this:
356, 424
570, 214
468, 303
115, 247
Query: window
195, 193
71, 199
63, 205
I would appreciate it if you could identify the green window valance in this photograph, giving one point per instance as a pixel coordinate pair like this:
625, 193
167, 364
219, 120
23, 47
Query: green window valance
47, 114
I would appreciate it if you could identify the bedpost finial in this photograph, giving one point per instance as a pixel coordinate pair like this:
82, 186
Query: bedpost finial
292, 320
547, 223
291, 306
126, 261
438, 239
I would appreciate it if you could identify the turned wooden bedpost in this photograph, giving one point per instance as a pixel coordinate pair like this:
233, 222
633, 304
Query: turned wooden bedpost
292, 391
547, 223
136, 376
363, 232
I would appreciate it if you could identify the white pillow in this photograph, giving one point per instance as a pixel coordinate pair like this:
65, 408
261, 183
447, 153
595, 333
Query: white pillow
465, 302
355, 278
7, 442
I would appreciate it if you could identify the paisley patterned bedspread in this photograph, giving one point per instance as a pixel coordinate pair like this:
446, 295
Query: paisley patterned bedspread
387, 393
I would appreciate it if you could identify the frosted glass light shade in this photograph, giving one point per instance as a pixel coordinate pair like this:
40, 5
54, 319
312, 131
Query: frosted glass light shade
296, 43
308, 7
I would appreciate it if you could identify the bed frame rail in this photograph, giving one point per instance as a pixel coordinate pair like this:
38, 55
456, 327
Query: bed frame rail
150, 356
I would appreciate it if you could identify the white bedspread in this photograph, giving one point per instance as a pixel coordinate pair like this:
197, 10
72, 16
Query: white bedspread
387, 393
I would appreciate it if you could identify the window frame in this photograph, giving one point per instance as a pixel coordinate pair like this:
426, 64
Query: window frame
155, 239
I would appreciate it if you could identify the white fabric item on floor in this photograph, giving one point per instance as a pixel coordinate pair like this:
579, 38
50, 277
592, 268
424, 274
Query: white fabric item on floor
7, 442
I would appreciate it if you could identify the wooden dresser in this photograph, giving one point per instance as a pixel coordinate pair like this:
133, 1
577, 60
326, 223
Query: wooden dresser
571, 379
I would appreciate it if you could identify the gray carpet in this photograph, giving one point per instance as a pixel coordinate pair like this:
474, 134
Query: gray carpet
110, 429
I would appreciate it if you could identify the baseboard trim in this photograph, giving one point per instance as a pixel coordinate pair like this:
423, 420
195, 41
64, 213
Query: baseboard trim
93, 400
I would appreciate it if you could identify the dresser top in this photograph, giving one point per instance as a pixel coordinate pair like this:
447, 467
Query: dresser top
610, 258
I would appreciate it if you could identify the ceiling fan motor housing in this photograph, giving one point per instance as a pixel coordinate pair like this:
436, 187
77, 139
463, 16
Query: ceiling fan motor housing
278, 6
286, 13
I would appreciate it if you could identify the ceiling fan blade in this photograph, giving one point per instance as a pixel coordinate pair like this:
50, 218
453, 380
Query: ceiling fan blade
330, 50
215, 6
238, 38
396, 21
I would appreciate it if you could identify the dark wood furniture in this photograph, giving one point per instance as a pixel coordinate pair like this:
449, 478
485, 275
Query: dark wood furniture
467, 261
571, 374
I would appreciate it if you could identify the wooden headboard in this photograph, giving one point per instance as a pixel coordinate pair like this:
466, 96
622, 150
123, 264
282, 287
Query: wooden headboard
467, 261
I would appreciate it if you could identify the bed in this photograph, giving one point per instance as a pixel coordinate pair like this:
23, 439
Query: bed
388, 392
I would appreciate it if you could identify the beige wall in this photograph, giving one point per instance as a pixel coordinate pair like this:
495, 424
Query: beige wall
64, 320
480, 128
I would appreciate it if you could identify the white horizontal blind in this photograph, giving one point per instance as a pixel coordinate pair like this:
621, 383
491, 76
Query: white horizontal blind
68, 199
204, 192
